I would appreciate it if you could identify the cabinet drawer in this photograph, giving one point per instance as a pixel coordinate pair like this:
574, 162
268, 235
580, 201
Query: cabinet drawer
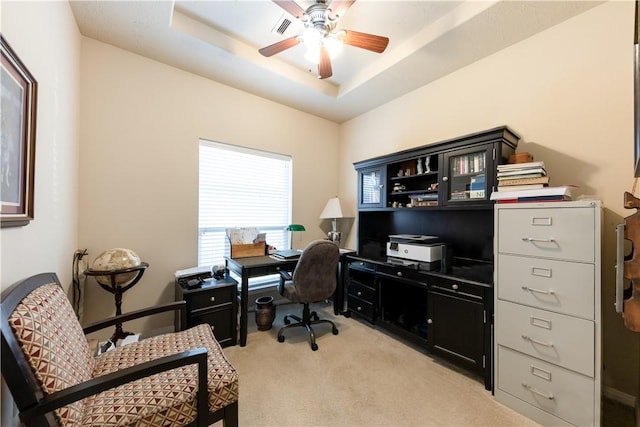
558, 391
560, 286
362, 265
363, 292
402, 273
212, 297
556, 338
551, 232
361, 307
458, 288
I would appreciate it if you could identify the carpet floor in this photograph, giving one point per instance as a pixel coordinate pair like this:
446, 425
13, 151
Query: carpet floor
360, 377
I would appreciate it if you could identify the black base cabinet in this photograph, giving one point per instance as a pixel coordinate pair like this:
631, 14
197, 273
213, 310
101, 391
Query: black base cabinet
448, 317
215, 303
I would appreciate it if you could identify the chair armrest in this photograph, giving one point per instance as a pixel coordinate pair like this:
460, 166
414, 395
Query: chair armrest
105, 382
286, 275
173, 306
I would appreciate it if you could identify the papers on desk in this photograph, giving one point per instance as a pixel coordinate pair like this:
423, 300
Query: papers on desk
245, 235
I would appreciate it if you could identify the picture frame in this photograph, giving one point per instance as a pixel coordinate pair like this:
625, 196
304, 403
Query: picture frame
18, 98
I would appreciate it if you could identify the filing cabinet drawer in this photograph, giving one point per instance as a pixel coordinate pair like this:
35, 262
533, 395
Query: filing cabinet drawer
552, 232
363, 292
556, 338
361, 307
560, 286
560, 392
207, 298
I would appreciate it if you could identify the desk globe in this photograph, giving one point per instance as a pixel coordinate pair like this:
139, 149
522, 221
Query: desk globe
116, 271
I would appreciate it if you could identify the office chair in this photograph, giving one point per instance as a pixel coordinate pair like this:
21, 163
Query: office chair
314, 279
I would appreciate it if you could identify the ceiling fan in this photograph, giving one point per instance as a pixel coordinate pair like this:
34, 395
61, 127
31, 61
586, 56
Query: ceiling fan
320, 20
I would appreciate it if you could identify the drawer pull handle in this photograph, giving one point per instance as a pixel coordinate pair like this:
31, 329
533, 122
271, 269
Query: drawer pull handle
540, 291
359, 293
212, 299
399, 273
359, 308
454, 287
430, 321
535, 341
538, 392
538, 239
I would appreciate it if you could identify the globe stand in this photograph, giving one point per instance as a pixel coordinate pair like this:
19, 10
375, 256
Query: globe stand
117, 291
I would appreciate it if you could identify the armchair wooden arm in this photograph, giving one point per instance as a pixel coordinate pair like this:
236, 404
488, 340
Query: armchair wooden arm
180, 306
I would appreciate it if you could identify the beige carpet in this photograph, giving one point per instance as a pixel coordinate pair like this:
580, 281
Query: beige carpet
360, 377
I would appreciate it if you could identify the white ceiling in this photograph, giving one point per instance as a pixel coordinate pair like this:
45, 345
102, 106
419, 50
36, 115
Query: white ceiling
220, 39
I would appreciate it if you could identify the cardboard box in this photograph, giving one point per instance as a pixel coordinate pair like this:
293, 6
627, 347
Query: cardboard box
248, 250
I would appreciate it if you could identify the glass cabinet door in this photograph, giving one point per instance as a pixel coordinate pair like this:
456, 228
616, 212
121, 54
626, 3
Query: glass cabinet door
466, 178
370, 188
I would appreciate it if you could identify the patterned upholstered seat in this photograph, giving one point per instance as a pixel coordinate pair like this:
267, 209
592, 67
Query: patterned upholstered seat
40, 331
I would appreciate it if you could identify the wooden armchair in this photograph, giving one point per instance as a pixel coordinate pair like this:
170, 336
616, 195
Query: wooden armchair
175, 379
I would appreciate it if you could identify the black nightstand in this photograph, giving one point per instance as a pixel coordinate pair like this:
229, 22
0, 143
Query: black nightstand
215, 302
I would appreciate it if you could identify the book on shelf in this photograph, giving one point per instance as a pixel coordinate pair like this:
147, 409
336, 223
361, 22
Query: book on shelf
522, 172
562, 192
516, 180
520, 187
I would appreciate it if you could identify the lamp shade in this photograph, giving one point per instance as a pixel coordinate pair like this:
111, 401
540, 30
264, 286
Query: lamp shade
295, 227
333, 209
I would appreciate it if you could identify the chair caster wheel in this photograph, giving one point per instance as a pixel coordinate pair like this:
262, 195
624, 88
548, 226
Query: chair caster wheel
314, 346
335, 331
280, 338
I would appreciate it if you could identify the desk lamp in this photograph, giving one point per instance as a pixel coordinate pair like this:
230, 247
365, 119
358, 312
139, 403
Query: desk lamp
333, 210
292, 228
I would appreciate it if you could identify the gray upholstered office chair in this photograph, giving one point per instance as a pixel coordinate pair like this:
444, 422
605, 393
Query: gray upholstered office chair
314, 279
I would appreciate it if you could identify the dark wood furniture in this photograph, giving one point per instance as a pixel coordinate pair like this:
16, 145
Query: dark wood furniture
253, 267
448, 312
117, 290
55, 379
213, 302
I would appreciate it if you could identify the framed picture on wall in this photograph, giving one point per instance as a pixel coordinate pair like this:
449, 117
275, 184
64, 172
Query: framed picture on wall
18, 105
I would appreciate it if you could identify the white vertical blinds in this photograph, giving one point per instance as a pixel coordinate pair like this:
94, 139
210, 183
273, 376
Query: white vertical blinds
241, 187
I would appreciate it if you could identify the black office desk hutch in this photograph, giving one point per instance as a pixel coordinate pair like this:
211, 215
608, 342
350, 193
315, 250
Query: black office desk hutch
448, 313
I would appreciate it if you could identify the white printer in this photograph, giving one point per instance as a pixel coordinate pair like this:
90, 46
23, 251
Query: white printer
417, 251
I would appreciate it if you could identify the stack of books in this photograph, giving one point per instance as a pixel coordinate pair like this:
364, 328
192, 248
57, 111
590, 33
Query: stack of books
522, 176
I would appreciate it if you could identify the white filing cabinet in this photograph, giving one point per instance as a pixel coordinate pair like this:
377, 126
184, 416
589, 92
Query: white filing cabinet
547, 351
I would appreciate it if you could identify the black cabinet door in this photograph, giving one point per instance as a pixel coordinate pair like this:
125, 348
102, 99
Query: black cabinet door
221, 319
456, 329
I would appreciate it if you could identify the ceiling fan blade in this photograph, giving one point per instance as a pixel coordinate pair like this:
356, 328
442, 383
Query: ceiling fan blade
279, 46
291, 7
365, 41
339, 7
324, 66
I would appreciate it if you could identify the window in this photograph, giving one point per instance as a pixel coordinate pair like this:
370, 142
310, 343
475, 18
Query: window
241, 187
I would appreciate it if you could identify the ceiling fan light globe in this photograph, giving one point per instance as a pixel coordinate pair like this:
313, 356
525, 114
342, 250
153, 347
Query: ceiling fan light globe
311, 37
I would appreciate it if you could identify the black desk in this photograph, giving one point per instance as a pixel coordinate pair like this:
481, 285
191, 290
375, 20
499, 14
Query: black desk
253, 267
265, 265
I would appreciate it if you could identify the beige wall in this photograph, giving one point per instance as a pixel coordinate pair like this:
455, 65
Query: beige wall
569, 93
140, 125
46, 38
